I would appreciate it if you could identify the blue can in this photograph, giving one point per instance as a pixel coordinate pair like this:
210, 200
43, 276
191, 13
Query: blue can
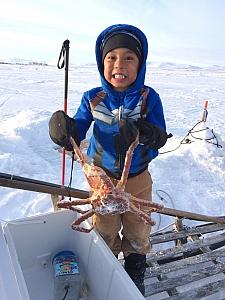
67, 279
65, 263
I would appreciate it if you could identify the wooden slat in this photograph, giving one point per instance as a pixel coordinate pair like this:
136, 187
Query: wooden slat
216, 255
17, 182
171, 235
170, 283
186, 248
191, 215
187, 264
207, 290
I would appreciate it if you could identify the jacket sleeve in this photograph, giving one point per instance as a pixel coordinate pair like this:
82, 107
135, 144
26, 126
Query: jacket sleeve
155, 113
83, 116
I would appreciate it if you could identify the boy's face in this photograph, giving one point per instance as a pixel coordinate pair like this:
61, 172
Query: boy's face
121, 68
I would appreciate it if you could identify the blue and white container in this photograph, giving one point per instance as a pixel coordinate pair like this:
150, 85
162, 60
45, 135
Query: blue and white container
67, 278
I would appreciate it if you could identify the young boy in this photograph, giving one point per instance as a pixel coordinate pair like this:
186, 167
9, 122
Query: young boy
120, 108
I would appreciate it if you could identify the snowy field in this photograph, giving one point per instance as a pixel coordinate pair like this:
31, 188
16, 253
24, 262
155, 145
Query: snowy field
189, 178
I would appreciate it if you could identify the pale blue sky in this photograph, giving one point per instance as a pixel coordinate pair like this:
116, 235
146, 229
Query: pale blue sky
191, 31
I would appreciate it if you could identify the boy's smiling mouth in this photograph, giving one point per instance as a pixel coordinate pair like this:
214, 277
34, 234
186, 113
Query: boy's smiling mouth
119, 76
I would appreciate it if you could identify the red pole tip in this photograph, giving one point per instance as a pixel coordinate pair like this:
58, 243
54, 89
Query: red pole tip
206, 104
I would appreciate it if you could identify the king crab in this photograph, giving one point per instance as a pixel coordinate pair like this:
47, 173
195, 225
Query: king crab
107, 198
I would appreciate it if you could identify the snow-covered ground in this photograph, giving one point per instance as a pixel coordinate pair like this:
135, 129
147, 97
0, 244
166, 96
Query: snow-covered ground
189, 178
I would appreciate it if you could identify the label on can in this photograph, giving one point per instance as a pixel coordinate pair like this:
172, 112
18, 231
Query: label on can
65, 263
66, 268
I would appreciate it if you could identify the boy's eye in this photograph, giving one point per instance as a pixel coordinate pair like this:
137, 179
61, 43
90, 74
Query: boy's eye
110, 57
129, 58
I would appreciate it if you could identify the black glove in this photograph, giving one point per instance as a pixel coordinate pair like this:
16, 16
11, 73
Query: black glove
128, 131
151, 135
61, 128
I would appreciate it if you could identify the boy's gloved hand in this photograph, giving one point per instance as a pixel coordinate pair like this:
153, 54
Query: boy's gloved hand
61, 127
151, 135
128, 131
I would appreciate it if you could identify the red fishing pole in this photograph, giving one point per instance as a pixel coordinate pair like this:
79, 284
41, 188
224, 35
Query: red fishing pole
64, 62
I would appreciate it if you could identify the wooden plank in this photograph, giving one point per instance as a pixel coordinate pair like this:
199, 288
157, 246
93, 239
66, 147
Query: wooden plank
201, 292
55, 200
12, 181
188, 262
171, 235
203, 265
190, 215
185, 249
171, 283
28, 184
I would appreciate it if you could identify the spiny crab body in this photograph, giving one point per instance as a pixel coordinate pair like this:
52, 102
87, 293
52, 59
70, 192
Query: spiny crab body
107, 198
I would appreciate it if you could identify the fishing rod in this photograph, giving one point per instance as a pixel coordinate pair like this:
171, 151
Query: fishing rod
63, 61
28, 184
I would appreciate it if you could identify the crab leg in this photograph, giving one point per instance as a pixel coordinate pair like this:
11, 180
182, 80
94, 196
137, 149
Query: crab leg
77, 151
80, 211
142, 215
69, 203
154, 206
123, 180
76, 223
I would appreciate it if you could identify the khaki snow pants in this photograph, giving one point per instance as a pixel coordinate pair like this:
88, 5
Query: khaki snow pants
135, 233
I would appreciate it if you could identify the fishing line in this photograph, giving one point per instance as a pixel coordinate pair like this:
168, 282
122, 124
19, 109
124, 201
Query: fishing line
191, 132
71, 174
163, 199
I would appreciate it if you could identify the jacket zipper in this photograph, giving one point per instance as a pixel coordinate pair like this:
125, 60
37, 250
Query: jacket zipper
120, 142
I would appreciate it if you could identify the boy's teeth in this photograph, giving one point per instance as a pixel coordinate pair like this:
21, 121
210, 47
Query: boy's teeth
120, 76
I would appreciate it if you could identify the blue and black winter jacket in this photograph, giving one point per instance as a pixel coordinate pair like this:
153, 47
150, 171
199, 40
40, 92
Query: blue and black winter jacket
112, 105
